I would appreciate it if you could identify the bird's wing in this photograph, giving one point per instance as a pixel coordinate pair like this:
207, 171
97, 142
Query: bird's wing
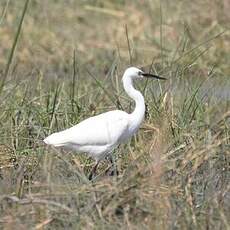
104, 129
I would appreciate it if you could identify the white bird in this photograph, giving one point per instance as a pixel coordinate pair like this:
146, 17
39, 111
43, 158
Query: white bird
99, 135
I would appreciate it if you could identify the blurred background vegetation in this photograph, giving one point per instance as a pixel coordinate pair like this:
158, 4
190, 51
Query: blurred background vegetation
62, 61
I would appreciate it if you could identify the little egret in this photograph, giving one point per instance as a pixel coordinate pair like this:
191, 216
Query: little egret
97, 136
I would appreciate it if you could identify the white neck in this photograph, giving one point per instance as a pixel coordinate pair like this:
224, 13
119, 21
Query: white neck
138, 114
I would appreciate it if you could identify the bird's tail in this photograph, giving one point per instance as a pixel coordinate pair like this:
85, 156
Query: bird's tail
56, 139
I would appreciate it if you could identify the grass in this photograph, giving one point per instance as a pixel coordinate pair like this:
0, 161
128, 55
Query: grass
66, 65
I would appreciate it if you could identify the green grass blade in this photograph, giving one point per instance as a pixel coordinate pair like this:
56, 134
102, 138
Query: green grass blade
129, 47
4, 12
103, 88
12, 51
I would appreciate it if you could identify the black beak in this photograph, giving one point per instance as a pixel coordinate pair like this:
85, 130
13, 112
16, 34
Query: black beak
149, 75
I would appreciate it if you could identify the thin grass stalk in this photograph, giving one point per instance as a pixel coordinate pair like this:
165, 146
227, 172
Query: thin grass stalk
73, 81
4, 11
102, 87
12, 51
129, 47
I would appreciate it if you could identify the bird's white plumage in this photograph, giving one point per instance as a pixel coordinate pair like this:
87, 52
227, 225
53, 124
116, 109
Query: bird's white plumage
99, 135
96, 135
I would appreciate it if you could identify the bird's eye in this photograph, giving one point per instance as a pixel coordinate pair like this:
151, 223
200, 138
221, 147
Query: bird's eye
139, 73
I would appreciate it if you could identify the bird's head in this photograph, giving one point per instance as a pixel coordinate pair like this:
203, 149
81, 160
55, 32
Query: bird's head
135, 73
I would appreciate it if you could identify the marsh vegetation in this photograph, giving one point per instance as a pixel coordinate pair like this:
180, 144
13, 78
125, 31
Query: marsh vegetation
62, 61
